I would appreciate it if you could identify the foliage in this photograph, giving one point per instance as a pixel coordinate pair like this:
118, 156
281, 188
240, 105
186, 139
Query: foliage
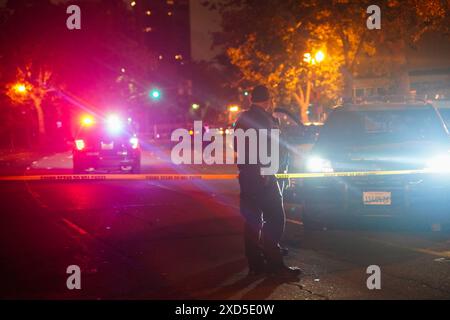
266, 41
32, 86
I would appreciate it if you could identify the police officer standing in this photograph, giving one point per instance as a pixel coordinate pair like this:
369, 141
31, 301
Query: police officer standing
261, 202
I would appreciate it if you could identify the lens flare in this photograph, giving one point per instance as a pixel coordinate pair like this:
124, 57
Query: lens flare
114, 124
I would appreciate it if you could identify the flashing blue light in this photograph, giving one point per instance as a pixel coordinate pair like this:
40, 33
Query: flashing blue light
114, 124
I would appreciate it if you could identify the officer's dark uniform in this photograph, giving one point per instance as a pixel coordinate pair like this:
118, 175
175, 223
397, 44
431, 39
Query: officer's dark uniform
260, 199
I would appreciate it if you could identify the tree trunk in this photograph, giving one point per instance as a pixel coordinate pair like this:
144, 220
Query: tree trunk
348, 85
400, 71
40, 119
303, 107
303, 99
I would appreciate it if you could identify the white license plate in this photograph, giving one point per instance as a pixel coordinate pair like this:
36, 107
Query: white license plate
107, 146
377, 198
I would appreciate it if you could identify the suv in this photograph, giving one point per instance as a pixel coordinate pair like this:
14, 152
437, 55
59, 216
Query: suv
109, 143
377, 137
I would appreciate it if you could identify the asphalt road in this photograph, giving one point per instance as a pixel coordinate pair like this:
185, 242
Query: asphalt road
183, 239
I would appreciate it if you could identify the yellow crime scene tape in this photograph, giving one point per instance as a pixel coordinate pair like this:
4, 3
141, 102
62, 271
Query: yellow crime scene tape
177, 177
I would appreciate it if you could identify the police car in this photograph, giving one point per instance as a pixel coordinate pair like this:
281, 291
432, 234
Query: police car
108, 143
376, 138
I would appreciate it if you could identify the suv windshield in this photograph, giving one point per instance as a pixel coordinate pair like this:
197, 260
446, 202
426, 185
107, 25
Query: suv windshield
347, 128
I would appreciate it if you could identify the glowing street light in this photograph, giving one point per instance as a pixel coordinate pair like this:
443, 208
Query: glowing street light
307, 57
233, 108
20, 88
195, 106
320, 56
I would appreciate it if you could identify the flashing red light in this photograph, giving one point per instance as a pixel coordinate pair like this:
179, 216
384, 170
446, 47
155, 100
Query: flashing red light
80, 145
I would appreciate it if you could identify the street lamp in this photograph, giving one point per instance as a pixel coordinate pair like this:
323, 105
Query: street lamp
233, 108
20, 88
318, 57
307, 57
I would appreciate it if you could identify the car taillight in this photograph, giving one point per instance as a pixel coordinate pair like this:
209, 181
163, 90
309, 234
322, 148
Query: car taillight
134, 141
80, 144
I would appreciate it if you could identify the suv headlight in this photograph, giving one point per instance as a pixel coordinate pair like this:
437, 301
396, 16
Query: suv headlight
438, 164
318, 164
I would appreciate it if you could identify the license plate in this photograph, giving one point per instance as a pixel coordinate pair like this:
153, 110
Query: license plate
377, 198
107, 146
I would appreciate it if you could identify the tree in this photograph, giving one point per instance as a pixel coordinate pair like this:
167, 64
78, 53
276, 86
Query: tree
270, 44
404, 23
32, 86
288, 73
266, 40
101, 65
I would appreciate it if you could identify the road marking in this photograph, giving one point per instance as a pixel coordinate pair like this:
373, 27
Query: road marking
445, 254
73, 226
294, 222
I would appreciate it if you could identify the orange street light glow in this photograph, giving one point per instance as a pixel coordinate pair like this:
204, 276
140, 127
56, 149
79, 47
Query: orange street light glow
233, 108
320, 56
307, 57
20, 88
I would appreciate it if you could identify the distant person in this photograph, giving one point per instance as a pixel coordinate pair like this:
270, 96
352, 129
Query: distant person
261, 202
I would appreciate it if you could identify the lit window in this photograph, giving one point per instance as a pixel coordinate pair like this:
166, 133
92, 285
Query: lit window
160, 57
170, 2
148, 29
169, 13
178, 57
